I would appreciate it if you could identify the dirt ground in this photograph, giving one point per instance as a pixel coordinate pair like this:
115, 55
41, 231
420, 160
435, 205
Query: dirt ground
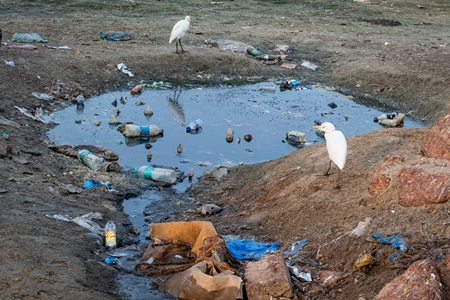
404, 67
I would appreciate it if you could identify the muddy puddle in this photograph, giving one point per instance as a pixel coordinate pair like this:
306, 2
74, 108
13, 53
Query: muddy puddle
247, 110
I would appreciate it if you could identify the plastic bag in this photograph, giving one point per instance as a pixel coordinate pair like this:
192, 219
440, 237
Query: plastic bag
27, 38
116, 36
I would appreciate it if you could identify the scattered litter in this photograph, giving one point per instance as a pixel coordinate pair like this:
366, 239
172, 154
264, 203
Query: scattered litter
288, 66
42, 96
296, 247
392, 119
122, 67
26, 47
305, 87
57, 47
250, 249
72, 188
303, 275
267, 88
3, 134
84, 221
365, 262
296, 136
362, 226
229, 45
204, 163
93, 183
395, 241
9, 63
282, 48
309, 65
116, 36
124, 251
208, 210
39, 116
111, 260
27, 38
185, 161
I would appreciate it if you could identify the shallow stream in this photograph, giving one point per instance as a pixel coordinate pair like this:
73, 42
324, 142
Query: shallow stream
265, 115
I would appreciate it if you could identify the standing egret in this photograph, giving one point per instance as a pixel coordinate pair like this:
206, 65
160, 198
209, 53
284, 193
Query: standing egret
178, 31
336, 146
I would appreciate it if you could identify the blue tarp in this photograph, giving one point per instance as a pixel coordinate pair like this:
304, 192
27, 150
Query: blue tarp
395, 241
249, 249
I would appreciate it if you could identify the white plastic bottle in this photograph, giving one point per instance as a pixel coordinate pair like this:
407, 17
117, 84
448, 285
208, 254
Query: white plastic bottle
157, 174
194, 125
110, 235
132, 130
89, 159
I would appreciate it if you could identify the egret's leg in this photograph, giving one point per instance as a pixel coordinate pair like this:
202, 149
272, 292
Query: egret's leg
337, 184
182, 50
176, 45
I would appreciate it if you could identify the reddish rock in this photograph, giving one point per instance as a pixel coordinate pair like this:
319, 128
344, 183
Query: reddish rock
328, 277
421, 281
423, 185
384, 174
268, 278
437, 142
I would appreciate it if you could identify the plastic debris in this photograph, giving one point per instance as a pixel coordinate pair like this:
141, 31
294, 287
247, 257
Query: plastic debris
250, 249
84, 221
27, 38
229, 45
309, 65
57, 47
282, 48
362, 226
111, 260
288, 66
365, 261
396, 242
296, 247
93, 183
122, 67
26, 47
42, 96
303, 275
116, 36
10, 63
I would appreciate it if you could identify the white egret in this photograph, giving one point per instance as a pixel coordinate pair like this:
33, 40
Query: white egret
178, 31
336, 146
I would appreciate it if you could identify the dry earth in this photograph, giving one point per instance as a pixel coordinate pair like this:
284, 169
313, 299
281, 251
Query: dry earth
404, 67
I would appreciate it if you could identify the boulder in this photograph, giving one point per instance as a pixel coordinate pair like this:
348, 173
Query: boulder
386, 173
424, 184
420, 281
436, 143
268, 278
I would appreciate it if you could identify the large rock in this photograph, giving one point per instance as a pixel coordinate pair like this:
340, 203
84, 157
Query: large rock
424, 184
437, 142
268, 278
387, 172
421, 281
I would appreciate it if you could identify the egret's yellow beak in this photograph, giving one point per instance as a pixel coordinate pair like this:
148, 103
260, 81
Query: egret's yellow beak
316, 127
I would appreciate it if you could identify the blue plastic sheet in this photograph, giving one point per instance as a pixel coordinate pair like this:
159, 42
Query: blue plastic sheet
93, 183
116, 36
249, 249
396, 242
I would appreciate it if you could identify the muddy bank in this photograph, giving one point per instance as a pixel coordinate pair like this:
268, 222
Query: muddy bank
403, 66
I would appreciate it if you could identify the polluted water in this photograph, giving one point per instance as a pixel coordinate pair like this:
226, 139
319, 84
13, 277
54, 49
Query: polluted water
258, 118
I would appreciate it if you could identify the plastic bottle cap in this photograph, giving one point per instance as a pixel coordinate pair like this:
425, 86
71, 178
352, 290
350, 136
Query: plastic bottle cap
135, 170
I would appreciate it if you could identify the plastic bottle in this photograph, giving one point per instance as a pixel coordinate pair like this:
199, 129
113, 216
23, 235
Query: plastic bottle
229, 135
136, 90
296, 136
194, 125
384, 117
132, 130
110, 235
157, 174
89, 159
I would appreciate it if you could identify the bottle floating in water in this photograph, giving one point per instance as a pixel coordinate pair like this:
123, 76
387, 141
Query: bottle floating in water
132, 130
157, 174
110, 235
194, 125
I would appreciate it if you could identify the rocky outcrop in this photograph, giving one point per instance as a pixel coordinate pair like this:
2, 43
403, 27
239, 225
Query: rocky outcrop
420, 281
424, 184
387, 172
436, 144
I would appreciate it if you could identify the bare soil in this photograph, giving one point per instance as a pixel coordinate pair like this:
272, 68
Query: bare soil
395, 52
